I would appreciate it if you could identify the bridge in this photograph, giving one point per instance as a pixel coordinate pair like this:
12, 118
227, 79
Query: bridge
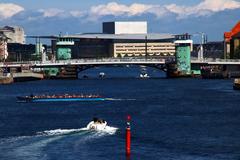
71, 68
77, 62
116, 61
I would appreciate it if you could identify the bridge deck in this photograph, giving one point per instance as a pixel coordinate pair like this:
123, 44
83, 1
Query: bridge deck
114, 61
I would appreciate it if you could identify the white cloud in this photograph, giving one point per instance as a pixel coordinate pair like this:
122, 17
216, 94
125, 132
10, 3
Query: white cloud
52, 12
116, 9
7, 10
204, 8
218, 5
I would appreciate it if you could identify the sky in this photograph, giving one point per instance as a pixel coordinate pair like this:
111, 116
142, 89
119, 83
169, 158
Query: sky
51, 17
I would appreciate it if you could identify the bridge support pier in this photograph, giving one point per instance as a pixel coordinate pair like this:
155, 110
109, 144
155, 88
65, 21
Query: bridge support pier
68, 72
182, 65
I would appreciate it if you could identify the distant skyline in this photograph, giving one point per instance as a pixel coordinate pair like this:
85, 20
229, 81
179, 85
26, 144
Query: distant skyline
166, 16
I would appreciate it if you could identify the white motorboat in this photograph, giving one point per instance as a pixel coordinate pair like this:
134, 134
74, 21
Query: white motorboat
102, 75
144, 75
100, 125
96, 126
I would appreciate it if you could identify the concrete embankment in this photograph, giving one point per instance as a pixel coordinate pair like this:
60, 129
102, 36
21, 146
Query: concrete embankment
26, 76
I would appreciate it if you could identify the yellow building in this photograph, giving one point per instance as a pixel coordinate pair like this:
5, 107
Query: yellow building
143, 49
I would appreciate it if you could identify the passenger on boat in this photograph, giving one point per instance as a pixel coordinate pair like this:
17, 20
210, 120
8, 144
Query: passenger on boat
98, 120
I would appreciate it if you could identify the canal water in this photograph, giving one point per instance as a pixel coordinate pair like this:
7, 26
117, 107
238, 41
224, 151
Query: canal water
172, 119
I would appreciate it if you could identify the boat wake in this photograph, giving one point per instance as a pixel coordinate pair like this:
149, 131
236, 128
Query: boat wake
39, 146
118, 99
58, 132
110, 130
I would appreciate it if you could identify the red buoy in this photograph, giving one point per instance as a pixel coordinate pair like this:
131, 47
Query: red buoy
128, 137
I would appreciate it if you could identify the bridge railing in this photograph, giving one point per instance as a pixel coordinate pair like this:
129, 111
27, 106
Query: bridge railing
195, 59
107, 60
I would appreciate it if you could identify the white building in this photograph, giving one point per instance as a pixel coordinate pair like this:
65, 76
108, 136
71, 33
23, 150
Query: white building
125, 27
15, 34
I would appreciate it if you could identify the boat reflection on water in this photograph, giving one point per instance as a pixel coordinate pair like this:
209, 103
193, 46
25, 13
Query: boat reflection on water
56, 98
102, 75
236, 84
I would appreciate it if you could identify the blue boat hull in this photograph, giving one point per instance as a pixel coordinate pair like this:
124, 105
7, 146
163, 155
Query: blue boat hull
60, 99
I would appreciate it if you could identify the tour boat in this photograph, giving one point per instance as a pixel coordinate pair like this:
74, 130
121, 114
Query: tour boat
57, 98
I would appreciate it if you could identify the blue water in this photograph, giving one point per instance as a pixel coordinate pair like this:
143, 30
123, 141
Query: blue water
172, 119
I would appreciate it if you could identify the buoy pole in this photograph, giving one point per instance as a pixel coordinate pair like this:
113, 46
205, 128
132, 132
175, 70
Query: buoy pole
128, 137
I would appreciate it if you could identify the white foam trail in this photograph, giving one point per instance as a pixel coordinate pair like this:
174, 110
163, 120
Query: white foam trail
119, 99
61, 131
109, 130
32, 146
58, 132
33, 150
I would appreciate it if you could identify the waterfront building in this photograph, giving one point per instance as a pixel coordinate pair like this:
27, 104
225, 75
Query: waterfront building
14, 33
118, 39
232, 42
13, 48
21, 52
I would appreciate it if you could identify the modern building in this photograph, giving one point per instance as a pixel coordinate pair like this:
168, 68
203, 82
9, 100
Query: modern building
124, 27
21, 52
232, 42
119, 39
15, 34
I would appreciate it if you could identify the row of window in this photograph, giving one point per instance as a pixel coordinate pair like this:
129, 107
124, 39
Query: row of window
65, 39
150, 54
145, 46
144, 53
